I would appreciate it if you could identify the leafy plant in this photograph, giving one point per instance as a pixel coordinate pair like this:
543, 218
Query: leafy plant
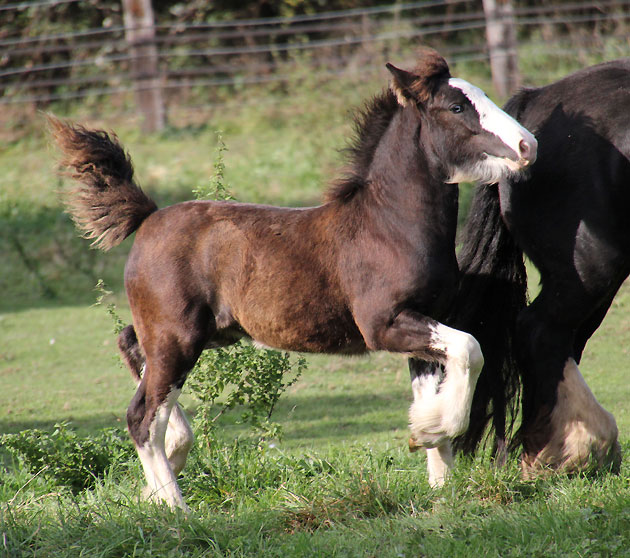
216, 189
104, 292
67, 458
252, 378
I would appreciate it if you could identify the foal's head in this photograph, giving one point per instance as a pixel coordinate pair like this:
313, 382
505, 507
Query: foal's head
463, 133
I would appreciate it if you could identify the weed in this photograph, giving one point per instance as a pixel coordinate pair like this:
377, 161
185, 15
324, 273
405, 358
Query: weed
65, 457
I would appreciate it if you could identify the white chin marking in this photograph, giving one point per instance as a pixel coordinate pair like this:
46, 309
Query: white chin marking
489, 171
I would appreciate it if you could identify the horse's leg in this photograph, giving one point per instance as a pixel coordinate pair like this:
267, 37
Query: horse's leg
147, 419
179, 435
441, 407
439, 463
564, 427
439, 458
179, 439
171, 349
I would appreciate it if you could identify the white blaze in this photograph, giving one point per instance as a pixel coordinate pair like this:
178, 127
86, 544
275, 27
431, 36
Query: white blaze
493, 119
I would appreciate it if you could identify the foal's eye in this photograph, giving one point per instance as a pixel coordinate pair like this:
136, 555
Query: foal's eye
456, 109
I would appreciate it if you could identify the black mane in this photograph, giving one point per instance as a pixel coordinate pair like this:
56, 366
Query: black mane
370, 123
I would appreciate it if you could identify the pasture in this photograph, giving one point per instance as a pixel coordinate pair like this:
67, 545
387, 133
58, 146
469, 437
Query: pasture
340, 481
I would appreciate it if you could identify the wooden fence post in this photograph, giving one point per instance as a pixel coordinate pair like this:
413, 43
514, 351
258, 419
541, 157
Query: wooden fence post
502, 45
140, 36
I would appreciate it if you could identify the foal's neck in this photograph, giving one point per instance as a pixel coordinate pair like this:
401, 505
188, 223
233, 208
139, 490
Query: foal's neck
401, 179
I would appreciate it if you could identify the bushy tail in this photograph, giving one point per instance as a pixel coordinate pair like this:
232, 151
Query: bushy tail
107, 205
492, 292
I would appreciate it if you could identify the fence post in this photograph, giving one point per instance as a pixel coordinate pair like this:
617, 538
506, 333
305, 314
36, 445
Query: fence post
140, 36
502, 45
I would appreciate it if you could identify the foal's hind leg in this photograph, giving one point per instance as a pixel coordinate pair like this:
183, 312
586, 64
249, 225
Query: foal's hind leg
169, 357
148, 423
179, 435
179, 439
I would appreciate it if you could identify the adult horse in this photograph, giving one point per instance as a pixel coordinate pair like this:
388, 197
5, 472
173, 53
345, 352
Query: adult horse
569, 215
371, 269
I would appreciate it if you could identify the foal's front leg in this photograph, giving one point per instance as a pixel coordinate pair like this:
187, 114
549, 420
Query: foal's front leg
441, 407
439, 458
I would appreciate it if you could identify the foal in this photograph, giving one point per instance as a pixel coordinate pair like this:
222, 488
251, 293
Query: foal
369, 270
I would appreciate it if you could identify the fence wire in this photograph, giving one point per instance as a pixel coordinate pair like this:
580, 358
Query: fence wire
98, 62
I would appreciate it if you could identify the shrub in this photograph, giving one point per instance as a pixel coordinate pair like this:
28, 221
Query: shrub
67, 458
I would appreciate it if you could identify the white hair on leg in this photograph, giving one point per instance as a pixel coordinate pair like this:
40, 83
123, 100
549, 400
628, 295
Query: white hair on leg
161, 481
179, 439
179, 436
584, 434
441, 406
439, 463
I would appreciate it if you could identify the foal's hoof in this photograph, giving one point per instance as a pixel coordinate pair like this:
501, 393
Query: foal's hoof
176, 503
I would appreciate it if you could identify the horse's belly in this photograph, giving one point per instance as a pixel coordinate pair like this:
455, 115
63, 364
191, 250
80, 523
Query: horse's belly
303, 329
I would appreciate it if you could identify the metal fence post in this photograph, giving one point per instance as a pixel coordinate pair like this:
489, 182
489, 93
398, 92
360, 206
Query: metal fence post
140, 36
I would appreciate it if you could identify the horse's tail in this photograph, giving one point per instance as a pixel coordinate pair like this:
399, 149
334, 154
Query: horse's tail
492, 292
107, 205
131, 352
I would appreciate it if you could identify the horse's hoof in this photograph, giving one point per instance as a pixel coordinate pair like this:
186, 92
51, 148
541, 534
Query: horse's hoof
596, 460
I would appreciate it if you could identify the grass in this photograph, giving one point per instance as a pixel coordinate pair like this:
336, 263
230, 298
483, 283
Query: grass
340, 481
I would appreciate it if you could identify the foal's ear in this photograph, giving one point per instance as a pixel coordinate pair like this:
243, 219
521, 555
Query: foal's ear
402, 84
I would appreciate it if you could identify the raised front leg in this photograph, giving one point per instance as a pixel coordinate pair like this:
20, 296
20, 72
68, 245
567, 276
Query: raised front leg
442, 399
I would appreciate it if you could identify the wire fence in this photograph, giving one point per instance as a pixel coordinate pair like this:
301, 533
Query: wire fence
40, 68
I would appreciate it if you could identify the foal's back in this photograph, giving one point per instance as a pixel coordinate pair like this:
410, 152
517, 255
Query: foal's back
268, 273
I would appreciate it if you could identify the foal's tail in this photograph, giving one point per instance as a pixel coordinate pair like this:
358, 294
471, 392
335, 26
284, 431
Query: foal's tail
131, 352
107, 205
492, 292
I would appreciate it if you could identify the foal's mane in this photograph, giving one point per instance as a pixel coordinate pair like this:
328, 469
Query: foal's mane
370, 123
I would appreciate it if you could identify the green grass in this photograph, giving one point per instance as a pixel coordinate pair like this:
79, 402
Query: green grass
340, 481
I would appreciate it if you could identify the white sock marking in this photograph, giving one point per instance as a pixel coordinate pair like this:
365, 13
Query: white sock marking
441, 410
161, 480
439, 463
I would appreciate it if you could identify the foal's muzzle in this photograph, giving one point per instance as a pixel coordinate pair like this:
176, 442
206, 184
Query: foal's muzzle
528, 150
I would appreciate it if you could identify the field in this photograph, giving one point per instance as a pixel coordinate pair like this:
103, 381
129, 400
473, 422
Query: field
339, 481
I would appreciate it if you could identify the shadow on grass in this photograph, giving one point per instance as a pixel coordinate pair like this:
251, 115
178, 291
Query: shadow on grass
334, 418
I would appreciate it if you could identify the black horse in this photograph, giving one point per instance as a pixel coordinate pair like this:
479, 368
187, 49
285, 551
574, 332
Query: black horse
570, 217
361, 272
